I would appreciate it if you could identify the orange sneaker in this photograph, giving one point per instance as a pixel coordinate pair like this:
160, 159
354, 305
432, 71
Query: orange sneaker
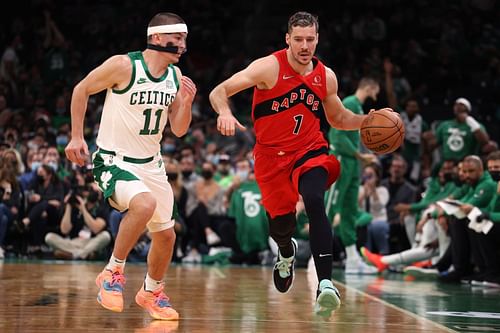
422, 264
156, 303
110, 285
374, 259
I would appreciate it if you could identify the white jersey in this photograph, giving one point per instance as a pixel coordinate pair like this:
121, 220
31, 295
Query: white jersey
133, 119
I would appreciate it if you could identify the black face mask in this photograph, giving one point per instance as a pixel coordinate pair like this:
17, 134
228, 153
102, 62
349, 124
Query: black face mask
207, 174
495, 175
224, 172
172, 176
186, 173
40, 179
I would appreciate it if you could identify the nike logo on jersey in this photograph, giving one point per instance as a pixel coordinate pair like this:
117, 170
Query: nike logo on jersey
286, 77
141, 80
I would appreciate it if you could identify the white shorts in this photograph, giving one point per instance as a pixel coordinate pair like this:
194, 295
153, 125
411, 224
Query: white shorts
121, 181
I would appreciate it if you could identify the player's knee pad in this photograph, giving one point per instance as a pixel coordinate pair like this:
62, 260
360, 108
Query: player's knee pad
282, 228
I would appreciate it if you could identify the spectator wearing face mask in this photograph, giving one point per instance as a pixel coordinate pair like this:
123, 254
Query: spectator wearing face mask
486, 246
52, 158
33, 162
250, 226
45, 200
224, 175
242, 171
203, 222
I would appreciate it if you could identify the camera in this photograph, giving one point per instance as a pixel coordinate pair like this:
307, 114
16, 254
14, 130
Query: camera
76, 191
73, 200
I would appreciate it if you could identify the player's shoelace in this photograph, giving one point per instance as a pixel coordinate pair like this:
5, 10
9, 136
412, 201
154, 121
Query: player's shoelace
117, 279
283, 267
161, 299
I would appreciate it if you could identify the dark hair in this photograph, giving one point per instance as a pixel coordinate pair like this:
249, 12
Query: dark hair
163, 19
378, 171
302, 19
494, 156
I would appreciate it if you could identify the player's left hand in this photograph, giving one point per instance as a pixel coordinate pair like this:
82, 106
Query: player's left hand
187, 90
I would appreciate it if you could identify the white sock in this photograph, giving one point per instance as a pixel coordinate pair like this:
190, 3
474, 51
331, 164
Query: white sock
151, 284
115, 263
352, 252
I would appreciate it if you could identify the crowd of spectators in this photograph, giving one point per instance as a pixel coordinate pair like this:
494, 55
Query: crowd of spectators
424, 54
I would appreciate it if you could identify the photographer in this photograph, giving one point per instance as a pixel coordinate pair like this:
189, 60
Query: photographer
83, 226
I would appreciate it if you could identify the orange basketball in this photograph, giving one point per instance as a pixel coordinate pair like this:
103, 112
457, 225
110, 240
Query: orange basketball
383, 131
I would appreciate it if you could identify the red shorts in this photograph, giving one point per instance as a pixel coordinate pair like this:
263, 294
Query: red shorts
278, 177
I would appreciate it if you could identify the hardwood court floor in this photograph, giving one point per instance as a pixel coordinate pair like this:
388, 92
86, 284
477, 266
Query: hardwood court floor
61, 297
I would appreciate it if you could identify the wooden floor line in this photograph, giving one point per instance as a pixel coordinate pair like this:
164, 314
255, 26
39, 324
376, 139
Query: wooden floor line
318, 320
218, 272
397, 308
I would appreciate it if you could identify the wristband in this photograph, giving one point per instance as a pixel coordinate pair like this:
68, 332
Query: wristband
472, 123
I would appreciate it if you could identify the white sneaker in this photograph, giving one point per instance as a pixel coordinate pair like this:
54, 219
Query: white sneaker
2, 253
358, 266
193, 257
420, 272
328, 299
212, 238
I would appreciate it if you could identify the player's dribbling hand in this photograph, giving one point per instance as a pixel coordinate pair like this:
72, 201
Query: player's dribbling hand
77, 151
227, 124
388, 109
187, 89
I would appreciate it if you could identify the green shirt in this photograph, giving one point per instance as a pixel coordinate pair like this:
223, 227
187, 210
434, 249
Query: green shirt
346, 143
494, 209
456, 140
434, 193
250, 216
481, 193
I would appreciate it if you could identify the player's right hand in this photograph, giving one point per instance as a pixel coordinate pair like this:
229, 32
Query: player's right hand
77, 151
227, 124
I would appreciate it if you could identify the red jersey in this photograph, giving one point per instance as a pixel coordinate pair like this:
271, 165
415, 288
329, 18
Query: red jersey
287, 117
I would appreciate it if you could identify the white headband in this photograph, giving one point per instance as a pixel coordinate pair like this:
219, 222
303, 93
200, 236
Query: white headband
167, 29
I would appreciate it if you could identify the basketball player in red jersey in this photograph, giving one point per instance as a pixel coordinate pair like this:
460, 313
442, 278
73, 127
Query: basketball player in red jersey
292, 90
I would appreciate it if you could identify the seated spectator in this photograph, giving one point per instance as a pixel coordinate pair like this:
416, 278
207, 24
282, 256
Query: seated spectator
204, 220
11, 200
224, 175
400, 191
250, 225
373, 198
83, 227
489, 243
44, 205
33, 162
463, 243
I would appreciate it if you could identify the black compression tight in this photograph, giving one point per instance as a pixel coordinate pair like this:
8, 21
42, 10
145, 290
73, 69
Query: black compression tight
312, 186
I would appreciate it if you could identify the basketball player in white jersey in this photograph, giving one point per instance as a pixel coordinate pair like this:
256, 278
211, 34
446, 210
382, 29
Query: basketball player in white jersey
144, 92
